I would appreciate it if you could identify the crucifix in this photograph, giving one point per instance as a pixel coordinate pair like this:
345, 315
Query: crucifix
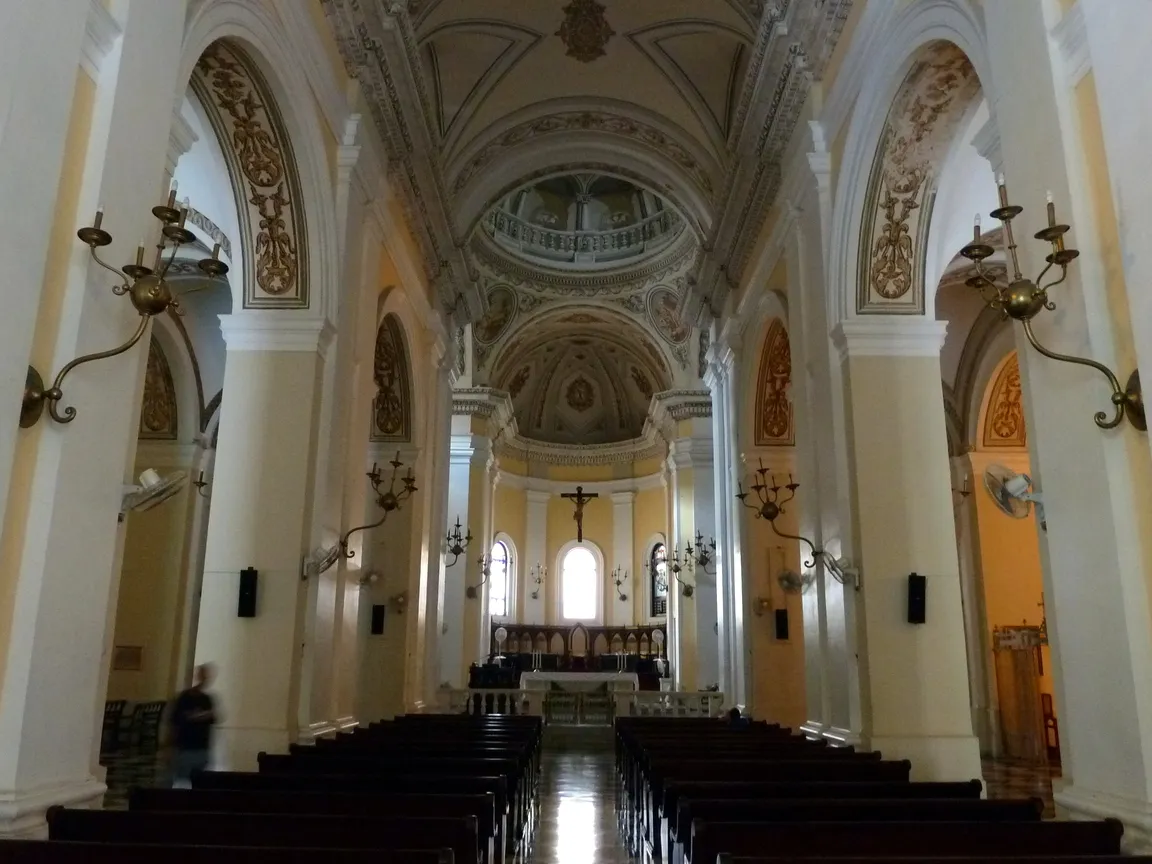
579, 499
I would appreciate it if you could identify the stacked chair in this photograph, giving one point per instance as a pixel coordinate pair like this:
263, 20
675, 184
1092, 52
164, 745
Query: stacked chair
420, 789
701, 791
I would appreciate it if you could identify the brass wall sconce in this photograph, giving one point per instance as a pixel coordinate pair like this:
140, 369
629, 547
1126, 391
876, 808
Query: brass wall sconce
702, 555
772, 505
473, 591
676, 566
619, 577
539, 573
146, 289
761, 605
387, 500
456, 545
201, 484
1021, 299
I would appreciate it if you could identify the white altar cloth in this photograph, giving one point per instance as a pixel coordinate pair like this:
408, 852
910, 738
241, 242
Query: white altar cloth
580, 681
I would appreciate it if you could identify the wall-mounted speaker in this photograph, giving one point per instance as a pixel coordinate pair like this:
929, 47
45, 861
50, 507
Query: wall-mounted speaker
378, 611
781, 623
246, 606
917, 598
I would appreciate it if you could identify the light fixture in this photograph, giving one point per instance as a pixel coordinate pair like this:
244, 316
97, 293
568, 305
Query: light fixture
703, 555
473, 591
771, 506
387, 500
761, 605
619, 577
1021, 299
201, 484
145, 287
457, 544
538, 573
676, 566
400, 602
369, 578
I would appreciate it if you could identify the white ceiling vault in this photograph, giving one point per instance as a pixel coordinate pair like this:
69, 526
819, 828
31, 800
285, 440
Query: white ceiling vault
694, 99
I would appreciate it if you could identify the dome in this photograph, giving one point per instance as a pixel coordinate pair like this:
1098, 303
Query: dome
582, 221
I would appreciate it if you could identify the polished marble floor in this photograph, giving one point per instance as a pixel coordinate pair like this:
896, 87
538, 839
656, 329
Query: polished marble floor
578, 809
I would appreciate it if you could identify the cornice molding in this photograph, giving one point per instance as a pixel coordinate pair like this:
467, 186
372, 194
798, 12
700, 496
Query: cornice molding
1071, 37
889, 336
100, 35
276, 331
313, 56
538, 486
987, 144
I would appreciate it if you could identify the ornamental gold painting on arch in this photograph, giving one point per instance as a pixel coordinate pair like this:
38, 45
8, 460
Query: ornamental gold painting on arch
263, 173
922, 121
773, 414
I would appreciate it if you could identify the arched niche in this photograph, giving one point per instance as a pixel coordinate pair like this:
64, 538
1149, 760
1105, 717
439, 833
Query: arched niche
392, 403
1002, 423
159, 413
773, 420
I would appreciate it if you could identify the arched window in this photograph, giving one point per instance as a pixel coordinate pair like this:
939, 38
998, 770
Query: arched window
498, 581
658, 580
579, 577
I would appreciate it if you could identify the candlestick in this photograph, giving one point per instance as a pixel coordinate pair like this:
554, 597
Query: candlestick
99, 216
216, 252
140, 254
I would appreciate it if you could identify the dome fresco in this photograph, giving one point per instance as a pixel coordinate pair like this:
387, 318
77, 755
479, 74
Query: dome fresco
582, 221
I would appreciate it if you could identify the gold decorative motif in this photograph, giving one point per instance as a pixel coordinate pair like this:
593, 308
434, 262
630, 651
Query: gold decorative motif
258, 152
579, 394
642, 383
664, 310
158, 419
392, 407
501, 310
774, 426
917, 133
1004, 416
519, 380
585, 30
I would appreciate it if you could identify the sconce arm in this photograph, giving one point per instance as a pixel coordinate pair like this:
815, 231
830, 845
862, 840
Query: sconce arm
1122, 399
35, 396
811, 562
349, 553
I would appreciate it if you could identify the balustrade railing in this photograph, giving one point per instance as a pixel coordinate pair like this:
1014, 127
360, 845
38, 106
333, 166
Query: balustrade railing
582, 708
653, 231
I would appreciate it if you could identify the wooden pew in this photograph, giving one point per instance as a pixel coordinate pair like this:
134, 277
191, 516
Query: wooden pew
245, 781
1057, 858
890, 840
262, 829
838, 810
63, 852
366, 804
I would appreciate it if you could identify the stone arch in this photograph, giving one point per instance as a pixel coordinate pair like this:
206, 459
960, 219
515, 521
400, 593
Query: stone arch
773, 417
898, 68
1002, 423
392, 404
253, 28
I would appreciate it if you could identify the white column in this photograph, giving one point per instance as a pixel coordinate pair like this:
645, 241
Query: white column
535, 551
456, 578
624, 557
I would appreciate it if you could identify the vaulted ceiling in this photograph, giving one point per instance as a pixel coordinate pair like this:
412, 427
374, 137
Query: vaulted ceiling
483, 104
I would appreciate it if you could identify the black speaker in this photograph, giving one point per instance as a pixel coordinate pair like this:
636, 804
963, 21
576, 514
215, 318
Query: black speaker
378, 611
781, 623
917, 598
246, 607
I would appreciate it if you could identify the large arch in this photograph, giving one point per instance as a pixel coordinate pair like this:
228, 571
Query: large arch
915, 27
256, 31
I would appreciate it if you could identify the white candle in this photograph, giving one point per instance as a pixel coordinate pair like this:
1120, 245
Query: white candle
172, 188
999, 179
1048, 196
976, 221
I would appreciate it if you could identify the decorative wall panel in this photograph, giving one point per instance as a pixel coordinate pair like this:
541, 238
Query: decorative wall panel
392, 407
773, 417
1004, 414
158, 417
263, 172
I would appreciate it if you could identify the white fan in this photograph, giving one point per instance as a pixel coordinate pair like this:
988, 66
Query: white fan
1013, 493
152, 491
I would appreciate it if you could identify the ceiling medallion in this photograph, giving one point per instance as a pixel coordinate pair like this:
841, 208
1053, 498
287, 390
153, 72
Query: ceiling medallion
580, 395
585, 31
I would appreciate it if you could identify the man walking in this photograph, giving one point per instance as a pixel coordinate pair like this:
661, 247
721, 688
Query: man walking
193, 716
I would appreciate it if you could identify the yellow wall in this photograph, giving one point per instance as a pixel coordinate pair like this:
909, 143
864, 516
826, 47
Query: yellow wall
511, 517
43, 343
561, 530
649, 517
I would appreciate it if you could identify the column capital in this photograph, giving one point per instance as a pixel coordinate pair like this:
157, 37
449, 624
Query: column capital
470, 450
695, 452
181, 137
538, 496
889, 336
987, 144
276, 331
620, 498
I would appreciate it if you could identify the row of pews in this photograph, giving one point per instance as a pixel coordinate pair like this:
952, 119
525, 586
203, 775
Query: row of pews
699, 791
420, 789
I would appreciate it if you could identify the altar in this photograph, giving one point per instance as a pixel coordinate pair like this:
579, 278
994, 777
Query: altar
581, 682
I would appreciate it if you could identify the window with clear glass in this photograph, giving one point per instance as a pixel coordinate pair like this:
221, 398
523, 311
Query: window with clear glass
658, 579
498, 581
578, 595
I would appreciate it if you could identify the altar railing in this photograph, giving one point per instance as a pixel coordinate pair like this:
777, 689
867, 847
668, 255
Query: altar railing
581, 708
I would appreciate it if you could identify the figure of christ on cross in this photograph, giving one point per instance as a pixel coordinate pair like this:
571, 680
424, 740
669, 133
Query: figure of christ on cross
579, 499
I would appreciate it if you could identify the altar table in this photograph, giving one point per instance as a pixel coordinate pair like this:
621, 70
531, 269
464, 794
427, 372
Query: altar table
578, 682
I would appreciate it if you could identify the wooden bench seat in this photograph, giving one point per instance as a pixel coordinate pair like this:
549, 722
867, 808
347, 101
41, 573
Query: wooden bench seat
983, 859
60, 852
901, 839
366, 804
459, 834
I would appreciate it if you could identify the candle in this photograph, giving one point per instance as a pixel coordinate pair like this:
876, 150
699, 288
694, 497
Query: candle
1002, 189
172, 188
99, 216
216, 252
1048, 196
172, 196
200, 479
140, 258
1051, 209
976, 229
